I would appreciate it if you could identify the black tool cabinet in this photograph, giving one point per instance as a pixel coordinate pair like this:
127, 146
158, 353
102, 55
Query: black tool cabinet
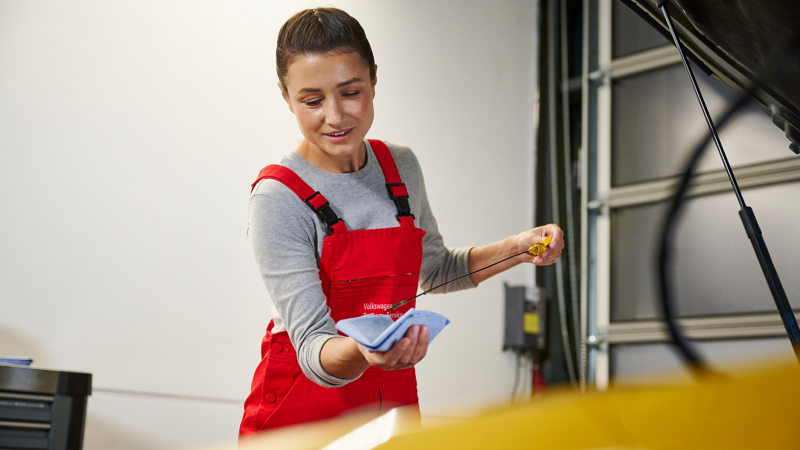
42, 409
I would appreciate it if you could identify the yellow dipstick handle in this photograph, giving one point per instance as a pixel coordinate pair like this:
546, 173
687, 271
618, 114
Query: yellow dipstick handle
539, 248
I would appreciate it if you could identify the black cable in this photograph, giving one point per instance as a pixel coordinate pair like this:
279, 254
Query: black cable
397, 305
687, 352
690, 356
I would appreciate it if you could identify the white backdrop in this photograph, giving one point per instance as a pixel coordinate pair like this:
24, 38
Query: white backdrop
129, 135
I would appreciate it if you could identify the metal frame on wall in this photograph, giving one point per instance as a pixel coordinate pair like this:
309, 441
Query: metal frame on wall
598, 199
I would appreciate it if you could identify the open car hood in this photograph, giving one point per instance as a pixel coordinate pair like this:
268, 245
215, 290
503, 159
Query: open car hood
741, 42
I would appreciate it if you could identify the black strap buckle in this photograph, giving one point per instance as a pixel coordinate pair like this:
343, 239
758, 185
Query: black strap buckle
403, 208
400, 201
391, 192
325, 212
327, 215
330, 226
307, 201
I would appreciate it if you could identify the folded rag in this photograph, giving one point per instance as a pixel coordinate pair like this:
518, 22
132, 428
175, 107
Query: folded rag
379, 333
16, 361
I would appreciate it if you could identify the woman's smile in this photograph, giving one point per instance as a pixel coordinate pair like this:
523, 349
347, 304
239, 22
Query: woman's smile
339, 136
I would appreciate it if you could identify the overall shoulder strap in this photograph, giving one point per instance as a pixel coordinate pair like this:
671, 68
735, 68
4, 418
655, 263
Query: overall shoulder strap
309, 196
397, 190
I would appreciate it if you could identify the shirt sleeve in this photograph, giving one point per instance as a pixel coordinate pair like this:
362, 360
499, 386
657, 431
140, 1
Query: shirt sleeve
284, 246
439, 263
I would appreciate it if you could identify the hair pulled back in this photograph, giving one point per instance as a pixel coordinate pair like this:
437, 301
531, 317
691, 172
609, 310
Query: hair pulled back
319, 31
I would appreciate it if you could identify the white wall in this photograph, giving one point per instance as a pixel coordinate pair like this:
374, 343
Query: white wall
129, 134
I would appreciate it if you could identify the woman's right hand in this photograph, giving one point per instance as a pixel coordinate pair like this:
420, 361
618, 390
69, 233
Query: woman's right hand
404, 354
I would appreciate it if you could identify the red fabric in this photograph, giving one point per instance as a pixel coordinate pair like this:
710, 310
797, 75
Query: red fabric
288, 178
281, 395
386, 161
317, 201
298, 186
406, 221
339, 227
362, 272
539, 384
399, 190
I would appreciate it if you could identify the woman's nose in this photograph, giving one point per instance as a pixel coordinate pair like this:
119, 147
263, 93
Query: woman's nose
334, 113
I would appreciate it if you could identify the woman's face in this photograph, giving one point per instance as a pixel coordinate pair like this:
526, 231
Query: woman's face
331, 96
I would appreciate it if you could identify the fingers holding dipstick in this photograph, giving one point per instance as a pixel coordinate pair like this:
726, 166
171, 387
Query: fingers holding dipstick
551, 233
540, 247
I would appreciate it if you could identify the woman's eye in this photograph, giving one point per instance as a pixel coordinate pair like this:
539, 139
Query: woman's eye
313, 103
351, 93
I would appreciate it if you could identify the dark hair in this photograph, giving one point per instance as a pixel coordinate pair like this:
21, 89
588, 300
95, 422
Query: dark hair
321, 30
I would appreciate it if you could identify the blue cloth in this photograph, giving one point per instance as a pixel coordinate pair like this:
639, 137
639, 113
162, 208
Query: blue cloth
379, 333
16, 360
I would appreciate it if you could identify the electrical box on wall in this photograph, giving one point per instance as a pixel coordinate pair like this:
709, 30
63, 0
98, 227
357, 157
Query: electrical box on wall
524, 319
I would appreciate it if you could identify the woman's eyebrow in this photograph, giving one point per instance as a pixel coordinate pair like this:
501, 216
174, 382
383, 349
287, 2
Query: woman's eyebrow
350, 81
343, 83
305, 90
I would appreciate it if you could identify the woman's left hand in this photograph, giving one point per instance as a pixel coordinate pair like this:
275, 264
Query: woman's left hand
526, 239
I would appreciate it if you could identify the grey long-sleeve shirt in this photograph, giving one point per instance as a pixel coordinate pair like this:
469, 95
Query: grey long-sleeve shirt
287, 239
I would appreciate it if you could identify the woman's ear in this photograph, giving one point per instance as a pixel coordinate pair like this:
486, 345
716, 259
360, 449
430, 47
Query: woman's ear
285, 97
374, 81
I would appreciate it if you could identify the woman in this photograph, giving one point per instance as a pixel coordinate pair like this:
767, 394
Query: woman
341, 228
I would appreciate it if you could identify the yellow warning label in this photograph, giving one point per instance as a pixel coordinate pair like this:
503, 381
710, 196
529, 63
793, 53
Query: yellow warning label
530, 323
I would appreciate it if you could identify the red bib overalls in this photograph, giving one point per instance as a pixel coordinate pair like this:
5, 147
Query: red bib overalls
362, 272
